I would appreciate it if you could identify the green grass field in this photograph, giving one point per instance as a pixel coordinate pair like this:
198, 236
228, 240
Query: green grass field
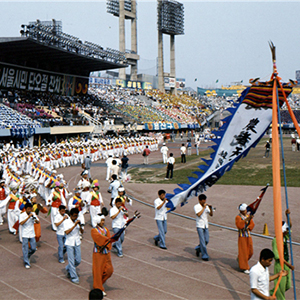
251, 170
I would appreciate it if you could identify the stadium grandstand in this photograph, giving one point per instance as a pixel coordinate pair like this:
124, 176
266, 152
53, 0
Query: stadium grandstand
45, 92
44, 82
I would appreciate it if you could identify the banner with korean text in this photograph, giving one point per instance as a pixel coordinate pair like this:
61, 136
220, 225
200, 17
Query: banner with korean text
250, 117
26, 79
162, 126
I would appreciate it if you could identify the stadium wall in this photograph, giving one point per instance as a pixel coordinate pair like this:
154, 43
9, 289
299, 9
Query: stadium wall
71, 129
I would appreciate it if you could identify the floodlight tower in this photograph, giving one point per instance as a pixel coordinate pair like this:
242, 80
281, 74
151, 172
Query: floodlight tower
126, 9
170, 21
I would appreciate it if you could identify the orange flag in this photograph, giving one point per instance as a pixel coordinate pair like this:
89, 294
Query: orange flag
276, 179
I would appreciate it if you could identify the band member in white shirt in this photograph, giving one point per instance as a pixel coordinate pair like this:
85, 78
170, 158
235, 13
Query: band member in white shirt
27, 220
161, 218
202, 211
72, 229
60, 233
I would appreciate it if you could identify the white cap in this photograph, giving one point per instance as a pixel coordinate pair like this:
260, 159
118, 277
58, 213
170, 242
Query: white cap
243, 207
98, 219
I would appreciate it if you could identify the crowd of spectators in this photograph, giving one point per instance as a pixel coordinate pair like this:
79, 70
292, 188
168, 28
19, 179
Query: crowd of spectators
286, 118
55, 110
183, 108
114, 94
143, 113
116, 103
294, 102
153, 106
12, 119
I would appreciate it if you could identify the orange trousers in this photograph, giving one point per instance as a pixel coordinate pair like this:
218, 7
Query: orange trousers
245, 252
102, 269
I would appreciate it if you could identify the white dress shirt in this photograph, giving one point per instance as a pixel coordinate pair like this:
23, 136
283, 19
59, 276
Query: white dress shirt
164, 149
113, 188
171, 160
60, 229
202, 221
259, 279
119, 221
28, 226
160, 214
73, 238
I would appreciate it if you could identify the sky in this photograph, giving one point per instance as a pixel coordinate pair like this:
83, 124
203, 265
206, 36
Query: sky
223, 41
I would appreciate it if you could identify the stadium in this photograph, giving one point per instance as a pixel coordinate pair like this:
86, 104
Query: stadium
66, 103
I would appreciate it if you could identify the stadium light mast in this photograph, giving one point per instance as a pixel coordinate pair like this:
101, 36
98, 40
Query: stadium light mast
170, 21
126, 9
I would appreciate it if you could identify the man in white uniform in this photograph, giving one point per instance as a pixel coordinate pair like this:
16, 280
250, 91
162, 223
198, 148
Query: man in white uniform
164, 151
109, 165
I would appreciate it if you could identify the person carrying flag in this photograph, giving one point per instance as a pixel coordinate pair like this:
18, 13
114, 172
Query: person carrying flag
244, 223
102, 265
260, 278
285, 282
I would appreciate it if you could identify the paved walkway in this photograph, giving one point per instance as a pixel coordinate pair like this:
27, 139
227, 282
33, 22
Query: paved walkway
146, 271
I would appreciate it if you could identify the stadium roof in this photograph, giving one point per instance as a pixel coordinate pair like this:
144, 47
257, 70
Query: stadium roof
27, 52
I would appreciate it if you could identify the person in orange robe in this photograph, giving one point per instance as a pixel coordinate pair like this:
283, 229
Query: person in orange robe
244, 223
102, 266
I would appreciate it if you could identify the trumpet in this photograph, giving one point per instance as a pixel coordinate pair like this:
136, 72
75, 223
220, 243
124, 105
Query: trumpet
211, 207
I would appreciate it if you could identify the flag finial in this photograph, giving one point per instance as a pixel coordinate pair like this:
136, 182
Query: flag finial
273, 51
